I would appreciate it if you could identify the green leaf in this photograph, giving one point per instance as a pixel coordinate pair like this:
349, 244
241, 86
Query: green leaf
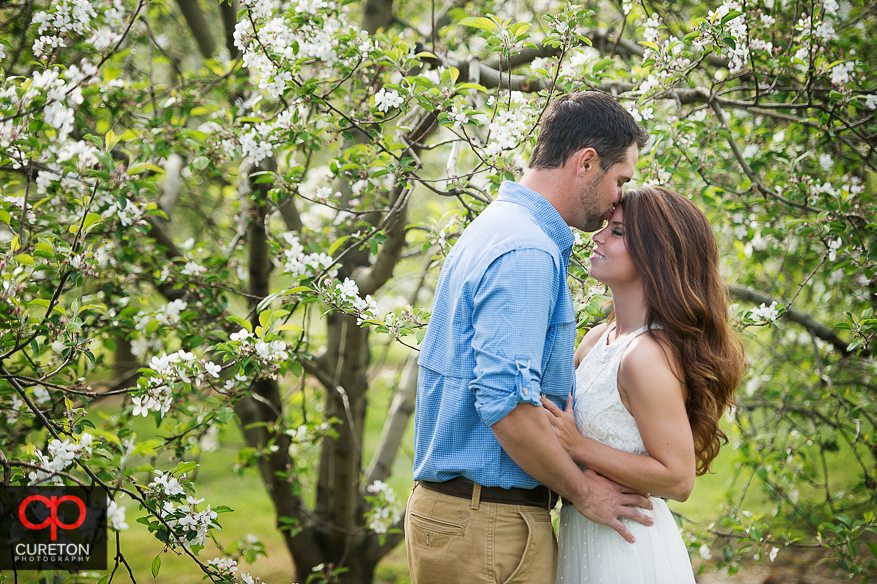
185, 466
91, 220
156, 566
241, 322
650, 45
201, 162
474, 86
337, 244
265, 318
138, 168
24, 259
289, 327
44, 249
731, 16
110, 140
872, 547
602, 64
479, 22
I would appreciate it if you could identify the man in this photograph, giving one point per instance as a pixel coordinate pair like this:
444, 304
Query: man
502, 333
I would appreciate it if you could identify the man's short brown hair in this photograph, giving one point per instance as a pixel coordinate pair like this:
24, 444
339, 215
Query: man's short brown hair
588, 119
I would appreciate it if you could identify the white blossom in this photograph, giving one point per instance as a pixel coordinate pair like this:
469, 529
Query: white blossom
840, 73
385, 100
212, 368
116, 516
767, 313
193, 269
826, 162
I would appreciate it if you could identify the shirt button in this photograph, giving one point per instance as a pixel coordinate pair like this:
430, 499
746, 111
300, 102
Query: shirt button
524, 391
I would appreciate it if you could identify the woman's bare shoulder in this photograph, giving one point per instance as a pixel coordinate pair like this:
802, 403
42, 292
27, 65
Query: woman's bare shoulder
649, 356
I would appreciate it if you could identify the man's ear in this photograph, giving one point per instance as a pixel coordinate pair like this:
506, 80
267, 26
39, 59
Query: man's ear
586, 160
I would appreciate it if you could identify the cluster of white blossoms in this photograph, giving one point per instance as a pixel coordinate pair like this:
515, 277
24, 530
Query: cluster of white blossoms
270, 354
640, 115
228, 567
385, 511
846, 185
63, 93
190, 525
841, 73
116, 516
167, 371
298, 263
65, 17
78, 17
668, 58
168, 314
509, 126
346, 296
766, 313
271, 50
259, 141
61, 456
193, 269
737, 30
167, 483
387, 100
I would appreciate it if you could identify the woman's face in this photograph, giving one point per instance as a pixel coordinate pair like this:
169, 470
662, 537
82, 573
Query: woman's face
611, 263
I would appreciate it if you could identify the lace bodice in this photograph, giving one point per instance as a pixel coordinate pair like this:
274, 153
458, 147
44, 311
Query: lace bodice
599, 412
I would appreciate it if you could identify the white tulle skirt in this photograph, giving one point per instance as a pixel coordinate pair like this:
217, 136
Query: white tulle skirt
590, 553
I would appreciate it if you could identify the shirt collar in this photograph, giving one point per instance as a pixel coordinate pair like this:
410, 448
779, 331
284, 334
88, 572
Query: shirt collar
544, 212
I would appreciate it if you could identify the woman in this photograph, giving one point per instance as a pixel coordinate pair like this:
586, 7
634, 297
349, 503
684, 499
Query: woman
651, 385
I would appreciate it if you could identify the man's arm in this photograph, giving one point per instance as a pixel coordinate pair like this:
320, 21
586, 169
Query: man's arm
526, 436
511, 312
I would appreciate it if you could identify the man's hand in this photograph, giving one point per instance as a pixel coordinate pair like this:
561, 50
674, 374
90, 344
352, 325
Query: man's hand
605, 501
526, 436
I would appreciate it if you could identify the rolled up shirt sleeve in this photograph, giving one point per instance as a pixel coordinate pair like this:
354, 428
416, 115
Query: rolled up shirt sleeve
510, 319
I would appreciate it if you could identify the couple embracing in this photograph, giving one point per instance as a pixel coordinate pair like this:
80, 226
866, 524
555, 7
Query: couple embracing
510, 412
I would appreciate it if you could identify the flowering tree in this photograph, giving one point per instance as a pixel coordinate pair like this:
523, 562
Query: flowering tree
219, 224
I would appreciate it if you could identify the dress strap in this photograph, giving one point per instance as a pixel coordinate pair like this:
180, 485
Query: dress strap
630, 336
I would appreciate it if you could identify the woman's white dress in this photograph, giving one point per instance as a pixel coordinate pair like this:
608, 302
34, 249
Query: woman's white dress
592, 553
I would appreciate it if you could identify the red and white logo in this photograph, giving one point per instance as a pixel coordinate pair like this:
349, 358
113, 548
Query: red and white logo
52, 520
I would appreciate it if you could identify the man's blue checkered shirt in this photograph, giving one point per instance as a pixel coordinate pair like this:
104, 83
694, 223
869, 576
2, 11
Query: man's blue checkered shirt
502, 332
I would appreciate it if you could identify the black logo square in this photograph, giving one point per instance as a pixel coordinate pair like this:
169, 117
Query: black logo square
53, 528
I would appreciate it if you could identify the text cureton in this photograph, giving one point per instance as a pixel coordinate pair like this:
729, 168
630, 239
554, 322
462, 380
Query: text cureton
53, 549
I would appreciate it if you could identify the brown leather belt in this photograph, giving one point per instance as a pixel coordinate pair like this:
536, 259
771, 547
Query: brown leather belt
462, 487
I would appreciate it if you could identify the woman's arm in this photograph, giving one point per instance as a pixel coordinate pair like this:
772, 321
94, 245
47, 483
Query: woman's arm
655, 398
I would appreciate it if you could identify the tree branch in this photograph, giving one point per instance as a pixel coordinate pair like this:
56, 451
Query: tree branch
396, 424
815, 327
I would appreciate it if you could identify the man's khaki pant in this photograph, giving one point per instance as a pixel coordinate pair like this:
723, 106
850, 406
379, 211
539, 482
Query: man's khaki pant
451, 540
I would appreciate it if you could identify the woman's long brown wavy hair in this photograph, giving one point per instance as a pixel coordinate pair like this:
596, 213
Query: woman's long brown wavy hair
675, 252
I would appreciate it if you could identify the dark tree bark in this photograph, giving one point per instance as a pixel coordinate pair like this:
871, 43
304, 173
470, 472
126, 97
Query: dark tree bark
198, 25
